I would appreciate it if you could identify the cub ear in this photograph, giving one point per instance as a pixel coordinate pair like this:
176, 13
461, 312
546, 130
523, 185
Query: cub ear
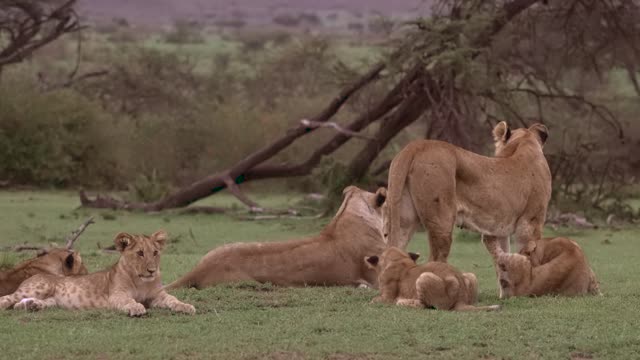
414, 256
69, 261
372, 261
501, 132
122, 241
541, 131
160, 237
381, 196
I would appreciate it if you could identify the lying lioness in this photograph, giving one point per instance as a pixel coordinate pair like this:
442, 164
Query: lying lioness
56, 261
563, 270
130, 285
334, 257
434, 284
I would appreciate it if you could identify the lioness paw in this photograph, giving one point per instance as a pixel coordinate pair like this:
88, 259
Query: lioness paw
135, 309
184, 308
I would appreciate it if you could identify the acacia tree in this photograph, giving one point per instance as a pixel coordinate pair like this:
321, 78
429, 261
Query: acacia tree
469, 64
28, 25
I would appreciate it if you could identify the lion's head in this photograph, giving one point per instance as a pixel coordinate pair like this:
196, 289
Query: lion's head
140, 254
391, 257
56, 261
365, 206
507, 140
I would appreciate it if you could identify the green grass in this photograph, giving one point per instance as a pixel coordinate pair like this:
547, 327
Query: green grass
248, 321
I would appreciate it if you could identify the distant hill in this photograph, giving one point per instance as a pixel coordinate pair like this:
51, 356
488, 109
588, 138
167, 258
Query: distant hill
249, 12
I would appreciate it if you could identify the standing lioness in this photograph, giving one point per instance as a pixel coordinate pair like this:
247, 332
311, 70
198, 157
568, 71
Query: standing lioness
434, 284
130, 285
433, 184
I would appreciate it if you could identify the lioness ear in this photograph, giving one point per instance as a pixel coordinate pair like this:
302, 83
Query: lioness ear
372, 261
501, 132
68, 262
160, 237
348, 189
414, 256
123, 240
381, 196
541, 131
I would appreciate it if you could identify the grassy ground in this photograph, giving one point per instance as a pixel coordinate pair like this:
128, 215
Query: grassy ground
249, 321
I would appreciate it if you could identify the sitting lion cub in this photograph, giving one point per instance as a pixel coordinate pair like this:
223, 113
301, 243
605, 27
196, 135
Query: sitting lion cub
563, 270
434, 284
130, 285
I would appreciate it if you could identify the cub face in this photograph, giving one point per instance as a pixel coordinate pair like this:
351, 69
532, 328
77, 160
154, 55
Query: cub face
141, 253
390, 257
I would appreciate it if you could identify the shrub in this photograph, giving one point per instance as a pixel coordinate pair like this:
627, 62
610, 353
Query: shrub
49, 138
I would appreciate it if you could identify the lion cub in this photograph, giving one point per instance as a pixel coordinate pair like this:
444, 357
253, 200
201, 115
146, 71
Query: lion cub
563, 270
56, 261
131, 285
434, 284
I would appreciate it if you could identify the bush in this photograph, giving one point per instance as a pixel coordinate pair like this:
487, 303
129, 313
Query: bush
185, 32
49, 138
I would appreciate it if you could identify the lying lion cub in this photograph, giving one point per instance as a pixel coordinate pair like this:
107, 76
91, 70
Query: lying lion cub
434, 284
130, 285
563, 270
56, 261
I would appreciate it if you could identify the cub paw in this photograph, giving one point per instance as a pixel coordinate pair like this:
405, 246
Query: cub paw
184, 308
135, 310
28, 304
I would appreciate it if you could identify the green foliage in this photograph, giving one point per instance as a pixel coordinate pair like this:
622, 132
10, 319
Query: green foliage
333, 177
185, 32
48, 138
147, 188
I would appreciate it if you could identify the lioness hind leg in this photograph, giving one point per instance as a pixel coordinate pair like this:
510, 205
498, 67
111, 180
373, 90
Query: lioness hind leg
496, 247
436, 207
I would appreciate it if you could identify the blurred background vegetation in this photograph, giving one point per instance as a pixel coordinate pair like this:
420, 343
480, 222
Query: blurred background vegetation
181, 100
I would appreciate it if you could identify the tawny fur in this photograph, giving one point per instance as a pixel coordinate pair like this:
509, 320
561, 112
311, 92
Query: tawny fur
563, 270
334, 257
61, 262
434, 284
131, 285
435, 185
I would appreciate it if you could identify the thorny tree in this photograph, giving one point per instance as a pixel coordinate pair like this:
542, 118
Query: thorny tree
469, 64
27, 25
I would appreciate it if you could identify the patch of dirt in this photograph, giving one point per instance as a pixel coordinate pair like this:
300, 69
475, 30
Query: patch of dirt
351, 356
581, 355
279, 355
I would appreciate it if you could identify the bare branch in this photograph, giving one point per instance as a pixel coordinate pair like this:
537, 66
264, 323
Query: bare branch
314, 125
77, 232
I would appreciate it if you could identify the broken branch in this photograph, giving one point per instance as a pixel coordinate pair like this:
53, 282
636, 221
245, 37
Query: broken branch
330, 124
77, 232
